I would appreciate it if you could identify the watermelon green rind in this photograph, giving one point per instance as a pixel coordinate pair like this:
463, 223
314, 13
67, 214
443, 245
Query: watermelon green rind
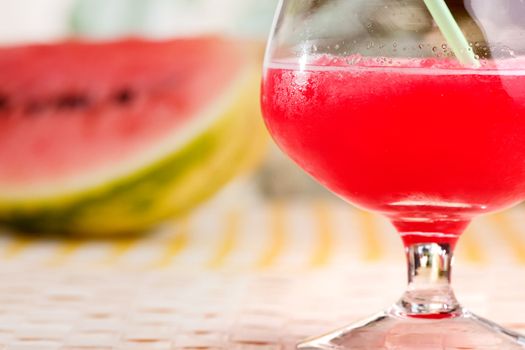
170, 186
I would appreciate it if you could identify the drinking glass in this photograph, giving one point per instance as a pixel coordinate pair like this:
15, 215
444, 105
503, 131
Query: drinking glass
414, 109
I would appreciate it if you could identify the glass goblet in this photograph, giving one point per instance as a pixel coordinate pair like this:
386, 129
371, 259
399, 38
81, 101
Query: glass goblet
415, 110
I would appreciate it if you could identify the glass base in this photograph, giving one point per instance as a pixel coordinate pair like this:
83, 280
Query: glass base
389, 331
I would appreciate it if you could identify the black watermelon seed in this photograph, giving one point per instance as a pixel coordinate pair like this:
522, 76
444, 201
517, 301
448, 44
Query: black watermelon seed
72, 102
124, 96
4, 103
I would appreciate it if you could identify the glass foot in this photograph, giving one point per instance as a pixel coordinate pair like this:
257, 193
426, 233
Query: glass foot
388, 331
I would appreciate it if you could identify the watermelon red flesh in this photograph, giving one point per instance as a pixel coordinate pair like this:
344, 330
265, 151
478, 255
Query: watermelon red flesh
78, 108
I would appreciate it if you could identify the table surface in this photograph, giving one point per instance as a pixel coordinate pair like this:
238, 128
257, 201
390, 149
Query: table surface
259, 276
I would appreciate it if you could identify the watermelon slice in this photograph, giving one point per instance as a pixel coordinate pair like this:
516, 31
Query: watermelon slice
106, 138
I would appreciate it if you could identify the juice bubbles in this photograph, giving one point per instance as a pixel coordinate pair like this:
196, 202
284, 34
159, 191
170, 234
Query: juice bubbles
428, 145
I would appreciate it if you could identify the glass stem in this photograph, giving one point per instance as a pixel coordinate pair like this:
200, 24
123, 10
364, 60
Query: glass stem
429, 293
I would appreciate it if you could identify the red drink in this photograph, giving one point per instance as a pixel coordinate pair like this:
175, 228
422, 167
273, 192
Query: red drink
429, 147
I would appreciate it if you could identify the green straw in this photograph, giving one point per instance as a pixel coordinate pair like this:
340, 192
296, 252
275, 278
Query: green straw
451, 31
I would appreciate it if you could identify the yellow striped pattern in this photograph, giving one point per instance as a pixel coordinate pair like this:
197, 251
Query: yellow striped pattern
373, 249
118, 249
228, 243
470, 248
277, 235
232, 244
174, 246
508, 231
324, 236
66, 250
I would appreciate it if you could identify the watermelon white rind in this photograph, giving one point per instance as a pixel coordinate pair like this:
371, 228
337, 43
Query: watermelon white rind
209, 152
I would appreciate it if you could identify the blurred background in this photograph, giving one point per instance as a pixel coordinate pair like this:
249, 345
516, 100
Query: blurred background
96, 165
58, 19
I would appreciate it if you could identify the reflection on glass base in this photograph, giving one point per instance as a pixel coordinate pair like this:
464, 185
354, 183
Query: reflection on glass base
388, 331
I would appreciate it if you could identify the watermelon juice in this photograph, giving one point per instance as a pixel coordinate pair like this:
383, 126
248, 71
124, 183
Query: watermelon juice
428, 145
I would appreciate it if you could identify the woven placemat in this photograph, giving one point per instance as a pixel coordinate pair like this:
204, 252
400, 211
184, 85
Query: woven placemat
64, 309
256, 277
